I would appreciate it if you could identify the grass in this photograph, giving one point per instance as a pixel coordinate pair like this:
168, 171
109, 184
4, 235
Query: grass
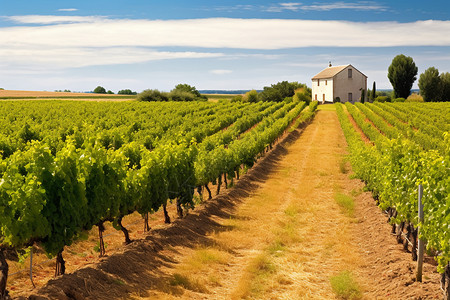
343, 166
254, 280
346, 203
327, 107
187, 283
345, 287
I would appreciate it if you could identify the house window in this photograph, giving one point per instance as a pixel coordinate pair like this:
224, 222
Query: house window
349, 73
315, 97
326, 82
324, 97
318, 82
350, 97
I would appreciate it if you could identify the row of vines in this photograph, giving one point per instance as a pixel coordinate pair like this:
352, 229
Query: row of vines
408, 145
66, 167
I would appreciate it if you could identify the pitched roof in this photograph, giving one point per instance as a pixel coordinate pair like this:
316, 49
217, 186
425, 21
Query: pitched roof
329, 72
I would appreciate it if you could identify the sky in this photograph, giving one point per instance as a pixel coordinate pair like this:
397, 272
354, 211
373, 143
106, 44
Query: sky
223, 45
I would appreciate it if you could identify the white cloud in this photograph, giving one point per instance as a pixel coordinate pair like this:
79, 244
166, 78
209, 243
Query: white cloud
68, 9
74, 57
222, 33
97, 40
220, 72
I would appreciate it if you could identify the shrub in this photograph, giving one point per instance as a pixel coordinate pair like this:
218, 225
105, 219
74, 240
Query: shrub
414, 98
302, 94
251, 96
177, 95
152, 95
337, 100
277, 92
183, 87
237, 98
383, 99
399, 100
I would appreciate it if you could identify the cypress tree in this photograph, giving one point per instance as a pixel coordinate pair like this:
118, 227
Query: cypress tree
374, 90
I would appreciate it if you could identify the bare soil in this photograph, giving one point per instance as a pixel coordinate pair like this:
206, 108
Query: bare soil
278, 233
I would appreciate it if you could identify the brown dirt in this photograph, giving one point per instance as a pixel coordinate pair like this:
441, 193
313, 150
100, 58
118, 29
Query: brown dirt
227, 248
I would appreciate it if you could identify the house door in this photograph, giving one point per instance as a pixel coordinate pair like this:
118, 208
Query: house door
350, 97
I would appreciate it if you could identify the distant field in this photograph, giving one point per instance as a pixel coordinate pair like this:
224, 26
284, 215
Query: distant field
11, 94
27, 95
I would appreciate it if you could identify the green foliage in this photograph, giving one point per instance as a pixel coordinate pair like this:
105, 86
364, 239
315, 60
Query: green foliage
346, 203
444, 87
394, 167
337, 100
414, 98
237, 98
185, 92
152, 95
345, 286
399, 100
374, 92
429, 82
382, 99
110, 92
277, 92
126, 92
250, 96
302, 94
402, 73
99, 90
363, 95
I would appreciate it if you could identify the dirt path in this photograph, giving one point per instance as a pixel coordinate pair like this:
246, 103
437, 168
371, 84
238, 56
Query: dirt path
291, 224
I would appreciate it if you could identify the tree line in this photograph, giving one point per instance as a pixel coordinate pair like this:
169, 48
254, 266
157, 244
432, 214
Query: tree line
402, 74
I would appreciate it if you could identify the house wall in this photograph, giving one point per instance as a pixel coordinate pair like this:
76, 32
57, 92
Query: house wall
325, 87
344, 85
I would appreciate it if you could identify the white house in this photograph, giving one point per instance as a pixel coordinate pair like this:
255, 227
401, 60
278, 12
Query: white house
345, 82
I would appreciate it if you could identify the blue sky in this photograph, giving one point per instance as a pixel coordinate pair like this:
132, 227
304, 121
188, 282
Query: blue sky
137, 44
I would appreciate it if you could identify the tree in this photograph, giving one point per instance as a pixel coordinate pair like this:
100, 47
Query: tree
152, 95
429, 83
126, 92
444, 86
250, 96
302, 94
402, 73
374, 92
277, 92
186, 88
100, 90
363, 95
110, 92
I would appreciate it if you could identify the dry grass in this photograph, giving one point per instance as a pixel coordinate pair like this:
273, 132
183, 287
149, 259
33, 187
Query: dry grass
288, 237
62, 95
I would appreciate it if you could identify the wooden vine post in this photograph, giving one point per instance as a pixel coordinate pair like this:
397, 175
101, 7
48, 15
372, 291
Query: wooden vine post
420, 247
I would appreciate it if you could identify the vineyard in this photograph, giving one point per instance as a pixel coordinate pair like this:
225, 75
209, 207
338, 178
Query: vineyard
394, 148
66, 167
